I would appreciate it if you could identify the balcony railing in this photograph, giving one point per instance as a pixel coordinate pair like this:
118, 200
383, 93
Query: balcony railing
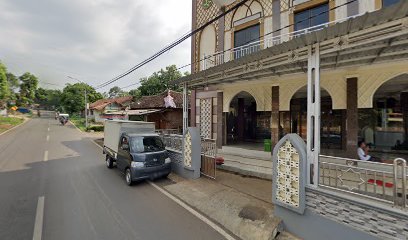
268, 41
383, 182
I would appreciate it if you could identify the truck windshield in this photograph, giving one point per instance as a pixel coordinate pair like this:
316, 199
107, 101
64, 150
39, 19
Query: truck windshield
146, 144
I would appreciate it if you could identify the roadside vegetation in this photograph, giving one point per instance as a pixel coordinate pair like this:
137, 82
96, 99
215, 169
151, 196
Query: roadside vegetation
9, 122
19, 93
79, 122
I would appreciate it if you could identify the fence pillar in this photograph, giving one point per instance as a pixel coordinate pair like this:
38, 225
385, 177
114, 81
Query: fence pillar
220, 134
400, 169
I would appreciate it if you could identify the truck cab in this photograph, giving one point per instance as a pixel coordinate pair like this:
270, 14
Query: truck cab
138, 152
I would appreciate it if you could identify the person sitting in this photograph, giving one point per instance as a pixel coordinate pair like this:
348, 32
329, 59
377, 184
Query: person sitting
362, 152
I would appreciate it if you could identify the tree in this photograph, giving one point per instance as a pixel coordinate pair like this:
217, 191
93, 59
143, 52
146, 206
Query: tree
48, 98
160, 81
4, 86
12, 81
73, 97
117, 92
28, 87
135, 93
14, 84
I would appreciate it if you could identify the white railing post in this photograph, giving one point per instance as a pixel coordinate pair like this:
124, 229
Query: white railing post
400, 163
313, 115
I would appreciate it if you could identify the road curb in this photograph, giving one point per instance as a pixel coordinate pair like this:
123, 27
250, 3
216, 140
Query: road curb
197, 213
75, 126
19, 125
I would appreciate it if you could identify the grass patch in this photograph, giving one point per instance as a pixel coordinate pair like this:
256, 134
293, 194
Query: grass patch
96, 128
78, 122
9, 122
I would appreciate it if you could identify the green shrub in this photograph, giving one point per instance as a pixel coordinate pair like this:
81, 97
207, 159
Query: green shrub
96, 128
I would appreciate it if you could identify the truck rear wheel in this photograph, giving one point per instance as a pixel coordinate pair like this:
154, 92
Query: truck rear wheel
128, 177
109, 162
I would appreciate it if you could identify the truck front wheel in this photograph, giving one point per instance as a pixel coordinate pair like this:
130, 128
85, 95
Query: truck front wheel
128, 177
109, 162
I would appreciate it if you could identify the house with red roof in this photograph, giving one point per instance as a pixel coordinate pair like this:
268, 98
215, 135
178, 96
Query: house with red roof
111, 108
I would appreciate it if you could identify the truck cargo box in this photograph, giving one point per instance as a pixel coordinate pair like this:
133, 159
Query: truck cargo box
114, 129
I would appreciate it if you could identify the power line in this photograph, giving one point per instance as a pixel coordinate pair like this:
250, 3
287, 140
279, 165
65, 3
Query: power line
52, 84
131, 85
169, 47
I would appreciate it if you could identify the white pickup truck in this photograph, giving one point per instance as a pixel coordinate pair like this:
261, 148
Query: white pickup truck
136, 149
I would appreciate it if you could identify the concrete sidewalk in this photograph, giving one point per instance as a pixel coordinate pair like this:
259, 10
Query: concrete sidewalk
240, 204
246, 162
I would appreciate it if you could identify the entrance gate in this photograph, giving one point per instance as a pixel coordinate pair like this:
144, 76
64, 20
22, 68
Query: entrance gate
208, 154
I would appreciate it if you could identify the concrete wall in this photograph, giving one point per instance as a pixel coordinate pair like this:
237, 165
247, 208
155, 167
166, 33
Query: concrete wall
208, 40
359, 214
169, 119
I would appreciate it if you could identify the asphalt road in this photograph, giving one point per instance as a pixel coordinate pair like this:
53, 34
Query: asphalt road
54, 185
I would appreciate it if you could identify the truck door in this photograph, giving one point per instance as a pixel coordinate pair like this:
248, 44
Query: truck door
123, 154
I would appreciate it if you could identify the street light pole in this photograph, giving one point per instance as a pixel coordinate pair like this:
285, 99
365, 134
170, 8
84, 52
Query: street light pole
86, 111
86, 100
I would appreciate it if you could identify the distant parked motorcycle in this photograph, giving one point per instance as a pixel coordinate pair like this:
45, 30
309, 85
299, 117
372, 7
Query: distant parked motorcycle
63, 121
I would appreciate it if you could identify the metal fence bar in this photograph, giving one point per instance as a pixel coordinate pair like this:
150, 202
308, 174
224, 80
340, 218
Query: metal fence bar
389, 182
208, 154
172, 141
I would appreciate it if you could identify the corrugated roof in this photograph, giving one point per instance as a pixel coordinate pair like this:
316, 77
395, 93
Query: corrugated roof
157, 101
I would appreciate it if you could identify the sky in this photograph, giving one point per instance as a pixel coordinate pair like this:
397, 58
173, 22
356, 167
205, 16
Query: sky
91, 40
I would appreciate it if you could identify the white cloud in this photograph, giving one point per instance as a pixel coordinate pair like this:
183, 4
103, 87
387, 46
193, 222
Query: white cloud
94, 40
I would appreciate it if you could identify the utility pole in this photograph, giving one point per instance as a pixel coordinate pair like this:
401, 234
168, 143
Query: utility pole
86, 111
86, 101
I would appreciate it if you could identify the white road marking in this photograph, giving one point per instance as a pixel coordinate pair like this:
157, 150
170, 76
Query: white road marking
48, 129
194, 212
39, 217
48, 138
188, 208
46, 156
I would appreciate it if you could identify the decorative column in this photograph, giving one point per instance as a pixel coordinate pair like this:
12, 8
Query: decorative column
344, 130
220, 132
313, 115
275, 116
352, 118
404, 110
241, 120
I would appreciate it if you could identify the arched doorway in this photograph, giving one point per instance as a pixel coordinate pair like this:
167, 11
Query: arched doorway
295, 121
385, 126
246, 126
